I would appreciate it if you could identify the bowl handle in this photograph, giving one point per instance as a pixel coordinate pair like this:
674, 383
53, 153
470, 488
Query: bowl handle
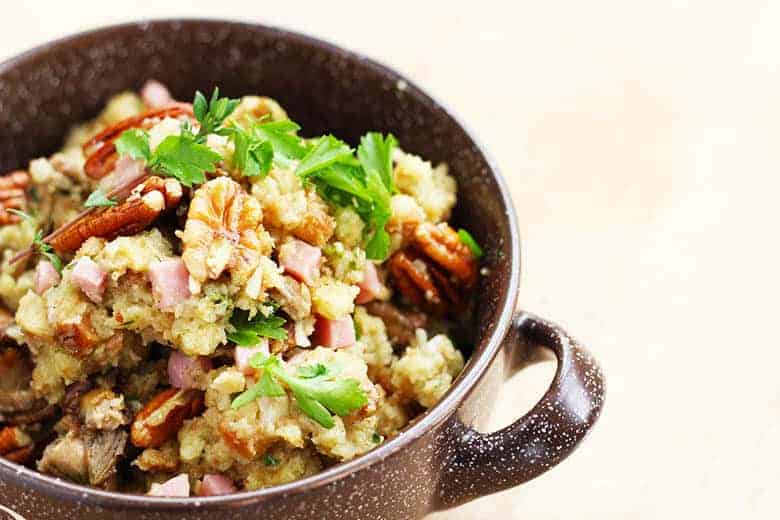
481, 464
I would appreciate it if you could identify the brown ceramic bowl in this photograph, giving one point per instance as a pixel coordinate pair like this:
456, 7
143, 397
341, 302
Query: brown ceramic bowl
441, 459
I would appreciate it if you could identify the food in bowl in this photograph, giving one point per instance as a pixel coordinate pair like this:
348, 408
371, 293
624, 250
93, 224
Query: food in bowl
197, 300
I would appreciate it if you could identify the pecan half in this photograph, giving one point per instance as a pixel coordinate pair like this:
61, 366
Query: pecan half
418, 279
13, 438
101, 151
164, 415
22, 455
436, 270
13, 195
441, 243
145, 203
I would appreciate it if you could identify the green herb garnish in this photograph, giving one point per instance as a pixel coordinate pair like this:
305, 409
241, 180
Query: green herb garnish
98, 199
468, 240
319, 395
247, 332
46, 251
211, 114
270, 460
38, 245
376, 438
376, 153
252, 155
183, 156
287, 146
364, 183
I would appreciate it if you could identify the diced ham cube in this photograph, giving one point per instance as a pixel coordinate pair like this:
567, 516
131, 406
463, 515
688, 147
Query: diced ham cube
90, 278
300, 260
125, 172
155, 95
184, 371
242, 355
334, 333
170, 282
213, 485
371, 287
178, 486
46, 276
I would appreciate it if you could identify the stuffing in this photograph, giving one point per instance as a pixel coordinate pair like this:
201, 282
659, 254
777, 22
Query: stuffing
215, 328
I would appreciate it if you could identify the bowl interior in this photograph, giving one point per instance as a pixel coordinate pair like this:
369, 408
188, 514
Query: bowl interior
325, 89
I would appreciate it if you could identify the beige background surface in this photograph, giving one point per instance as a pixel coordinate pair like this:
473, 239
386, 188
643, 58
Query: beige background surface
640, 142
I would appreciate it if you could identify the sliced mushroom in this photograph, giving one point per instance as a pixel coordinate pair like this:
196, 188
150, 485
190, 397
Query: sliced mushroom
104, 449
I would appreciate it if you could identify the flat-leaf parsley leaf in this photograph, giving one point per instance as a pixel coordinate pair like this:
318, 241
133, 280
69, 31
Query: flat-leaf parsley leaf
318, 396
247, 332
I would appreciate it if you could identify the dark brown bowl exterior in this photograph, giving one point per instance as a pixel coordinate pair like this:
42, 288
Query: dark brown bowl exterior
437, 462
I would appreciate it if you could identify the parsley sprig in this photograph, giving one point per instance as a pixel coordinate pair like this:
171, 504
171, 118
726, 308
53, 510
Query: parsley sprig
211, 114
38, 245
263, 143
247, 332
317, 392
183, 156
365, 182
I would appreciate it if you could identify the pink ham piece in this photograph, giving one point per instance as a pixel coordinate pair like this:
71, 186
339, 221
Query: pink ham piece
301, 260
371, 287
90, 278
334, 333
184, 371
46, 276
126, 171
242, 355
155, 95
178, 486
170, 282
214, 485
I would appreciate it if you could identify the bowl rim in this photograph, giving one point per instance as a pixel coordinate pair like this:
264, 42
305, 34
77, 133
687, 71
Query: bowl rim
420, 426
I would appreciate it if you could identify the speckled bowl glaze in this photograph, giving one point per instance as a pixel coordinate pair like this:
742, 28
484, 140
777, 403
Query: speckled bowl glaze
441, 459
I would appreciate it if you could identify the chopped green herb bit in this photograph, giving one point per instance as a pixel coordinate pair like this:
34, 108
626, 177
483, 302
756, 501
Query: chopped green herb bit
468, 240
376, 438
38, 245
270, 460
98, 199
310, 371
317, 393
46, 251
247, 332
